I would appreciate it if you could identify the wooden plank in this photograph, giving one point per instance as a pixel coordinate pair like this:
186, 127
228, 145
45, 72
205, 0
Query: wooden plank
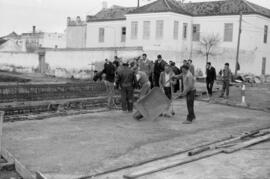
7, 156
39, 175
23, 171
216, 145
169, 164
20, 168
1, 130
247, 144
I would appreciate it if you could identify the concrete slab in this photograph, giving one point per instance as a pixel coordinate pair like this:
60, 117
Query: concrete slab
68, 147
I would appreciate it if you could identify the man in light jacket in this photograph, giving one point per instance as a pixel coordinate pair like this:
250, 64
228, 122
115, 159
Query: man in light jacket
189, 92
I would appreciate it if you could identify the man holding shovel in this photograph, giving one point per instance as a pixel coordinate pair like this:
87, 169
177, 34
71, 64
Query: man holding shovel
189, 92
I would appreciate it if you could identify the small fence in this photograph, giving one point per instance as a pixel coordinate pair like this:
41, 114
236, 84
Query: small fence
38, 92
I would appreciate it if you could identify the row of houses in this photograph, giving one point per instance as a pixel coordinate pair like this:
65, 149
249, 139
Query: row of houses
31, 41
177, 31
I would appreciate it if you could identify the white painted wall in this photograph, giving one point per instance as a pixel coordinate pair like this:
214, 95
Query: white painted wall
112, 36
50, 40
19, 59
167, 42
76, 36
81, 59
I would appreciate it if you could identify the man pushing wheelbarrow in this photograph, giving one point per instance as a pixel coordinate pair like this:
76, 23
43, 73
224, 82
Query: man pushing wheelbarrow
157, 101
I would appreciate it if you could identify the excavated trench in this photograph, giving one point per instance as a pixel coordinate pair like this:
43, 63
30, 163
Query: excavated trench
39, 101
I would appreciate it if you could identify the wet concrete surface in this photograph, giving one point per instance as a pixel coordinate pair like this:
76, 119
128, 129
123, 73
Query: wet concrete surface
68, 147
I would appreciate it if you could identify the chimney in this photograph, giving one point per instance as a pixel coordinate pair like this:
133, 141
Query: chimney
68, 21
34, 29
78, 20
104, 5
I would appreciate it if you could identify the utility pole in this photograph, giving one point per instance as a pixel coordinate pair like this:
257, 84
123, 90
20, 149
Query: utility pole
138, 3
238, 43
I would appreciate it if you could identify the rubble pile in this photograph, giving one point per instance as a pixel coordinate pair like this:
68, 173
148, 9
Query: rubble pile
251, 78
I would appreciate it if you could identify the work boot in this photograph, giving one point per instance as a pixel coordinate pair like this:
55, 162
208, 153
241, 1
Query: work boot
187, 122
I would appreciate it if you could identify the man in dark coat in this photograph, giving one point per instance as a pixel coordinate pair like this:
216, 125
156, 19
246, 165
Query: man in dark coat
176, 72
210, 78
109, 75
185, 62
126, 80
109, 70
158, 68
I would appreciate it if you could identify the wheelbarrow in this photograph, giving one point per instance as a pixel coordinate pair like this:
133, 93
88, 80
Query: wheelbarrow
152, 105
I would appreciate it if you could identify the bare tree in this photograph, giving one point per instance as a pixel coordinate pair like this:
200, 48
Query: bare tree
182, 1
208, 44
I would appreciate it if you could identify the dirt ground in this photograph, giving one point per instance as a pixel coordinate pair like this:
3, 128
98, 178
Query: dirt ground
250, 163
257, 96
69, 147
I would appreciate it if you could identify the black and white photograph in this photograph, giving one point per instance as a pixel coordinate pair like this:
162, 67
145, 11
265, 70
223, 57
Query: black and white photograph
135, 89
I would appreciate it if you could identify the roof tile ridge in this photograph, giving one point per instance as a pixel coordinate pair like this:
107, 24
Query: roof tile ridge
247, 3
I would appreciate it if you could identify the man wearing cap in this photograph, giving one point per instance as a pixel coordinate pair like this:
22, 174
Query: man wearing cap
126, 80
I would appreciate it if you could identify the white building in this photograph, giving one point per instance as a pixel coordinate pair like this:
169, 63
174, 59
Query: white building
53, 40
175, 30
76, 33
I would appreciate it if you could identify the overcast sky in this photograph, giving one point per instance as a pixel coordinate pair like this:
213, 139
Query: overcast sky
50, 15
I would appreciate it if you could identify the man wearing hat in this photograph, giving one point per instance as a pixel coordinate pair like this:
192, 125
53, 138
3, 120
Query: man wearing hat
126, 80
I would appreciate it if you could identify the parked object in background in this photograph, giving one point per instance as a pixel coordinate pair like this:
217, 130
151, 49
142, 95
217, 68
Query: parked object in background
251, 78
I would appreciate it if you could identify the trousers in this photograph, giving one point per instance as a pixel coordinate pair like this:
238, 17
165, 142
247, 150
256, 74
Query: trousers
225, 88
209, 86
127, 98
168, 92
190, 105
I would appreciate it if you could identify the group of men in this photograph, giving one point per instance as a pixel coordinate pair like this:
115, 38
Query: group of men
145, 74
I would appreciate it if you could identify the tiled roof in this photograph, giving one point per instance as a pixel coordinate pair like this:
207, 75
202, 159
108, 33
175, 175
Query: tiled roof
2, 41
260, 10
161, 6
210, 8
114, 13
227, 7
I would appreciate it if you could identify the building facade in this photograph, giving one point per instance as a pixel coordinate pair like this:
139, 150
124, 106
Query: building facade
75, 33
176, 30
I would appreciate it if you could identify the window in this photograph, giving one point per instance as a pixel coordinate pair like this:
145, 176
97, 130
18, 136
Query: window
196, 32
134, 30
228, 32
123, 34
159, 29
101, 34
175, 30
265, 34
146, 30
185, 26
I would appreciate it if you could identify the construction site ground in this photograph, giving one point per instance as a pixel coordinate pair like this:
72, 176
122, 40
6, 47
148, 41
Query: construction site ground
82, 145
